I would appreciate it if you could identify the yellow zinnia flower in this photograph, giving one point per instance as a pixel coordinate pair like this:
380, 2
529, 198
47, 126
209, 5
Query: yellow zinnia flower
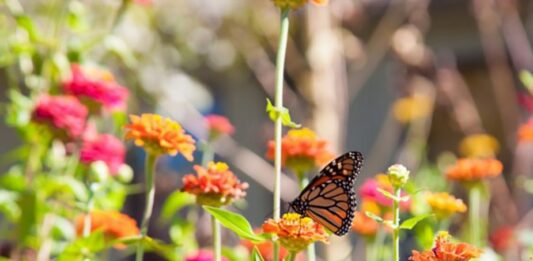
444, 204
479, 145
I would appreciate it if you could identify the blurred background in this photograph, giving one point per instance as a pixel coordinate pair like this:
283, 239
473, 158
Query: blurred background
399, 80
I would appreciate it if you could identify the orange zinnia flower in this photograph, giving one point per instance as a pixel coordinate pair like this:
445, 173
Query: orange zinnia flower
364, 225
266, 249
446, 250
112, 223
159, 135
302, 151
214, 186
525, 132
296, 232
470, 169
444, 204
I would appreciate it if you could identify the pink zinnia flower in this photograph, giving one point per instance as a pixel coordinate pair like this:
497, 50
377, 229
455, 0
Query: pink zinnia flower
106, 148
202, 255
369, 191
526, 101
218, 125
97, 88
64, 114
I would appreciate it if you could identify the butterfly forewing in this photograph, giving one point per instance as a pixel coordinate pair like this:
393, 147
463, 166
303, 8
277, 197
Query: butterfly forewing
329, 199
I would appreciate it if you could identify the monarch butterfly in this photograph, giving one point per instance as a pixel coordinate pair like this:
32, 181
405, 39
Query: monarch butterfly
329, 198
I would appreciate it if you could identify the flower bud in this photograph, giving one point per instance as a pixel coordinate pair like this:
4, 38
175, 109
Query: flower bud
398, 175
98, 171
125, 173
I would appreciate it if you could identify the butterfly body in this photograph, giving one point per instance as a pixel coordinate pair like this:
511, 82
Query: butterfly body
329, 198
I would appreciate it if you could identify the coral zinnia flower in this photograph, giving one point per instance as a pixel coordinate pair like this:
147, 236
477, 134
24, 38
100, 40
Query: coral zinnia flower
106, 148
112, 223
65, 115
412, 108
446, 250
218, 125
96, 88
301, 150
159, 135
364, 225
214, 186
525, 132
444, 204
470, 169
295, 232
295, 4
369, 191
203, 255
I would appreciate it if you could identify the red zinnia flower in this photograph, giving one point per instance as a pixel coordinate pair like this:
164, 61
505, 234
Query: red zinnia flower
65, 115
106, 148
97, 88
502, 238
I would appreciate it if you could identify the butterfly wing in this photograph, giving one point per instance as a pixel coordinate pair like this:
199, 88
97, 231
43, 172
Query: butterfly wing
329, 199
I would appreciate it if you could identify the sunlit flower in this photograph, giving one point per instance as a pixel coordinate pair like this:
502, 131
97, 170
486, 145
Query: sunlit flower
266, 249
302, 150
106, 148
503, 238
446, 250
65, 115
295, 4
295, 232
470, 169
214, 186
479, 145
218, 125
96, 88
203, 255
369, 191
412, 108
159, 135
112, 223
364, 225
444, 204
525, 132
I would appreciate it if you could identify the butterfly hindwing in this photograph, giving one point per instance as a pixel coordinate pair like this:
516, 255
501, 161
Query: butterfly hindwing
329, 199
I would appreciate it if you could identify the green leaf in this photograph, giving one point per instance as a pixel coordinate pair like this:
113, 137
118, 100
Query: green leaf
274, 113
387, 194
256, 256
235, 223
527, 80
84, 247
176, 201
8, 205
410, 223
169, 251
374, 216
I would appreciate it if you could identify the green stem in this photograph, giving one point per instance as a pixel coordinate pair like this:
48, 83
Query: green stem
474, 214
207, 154
150, 193
377, 245
302, 182
280, 64
292, 256
396, 222
87, 219
217, 242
